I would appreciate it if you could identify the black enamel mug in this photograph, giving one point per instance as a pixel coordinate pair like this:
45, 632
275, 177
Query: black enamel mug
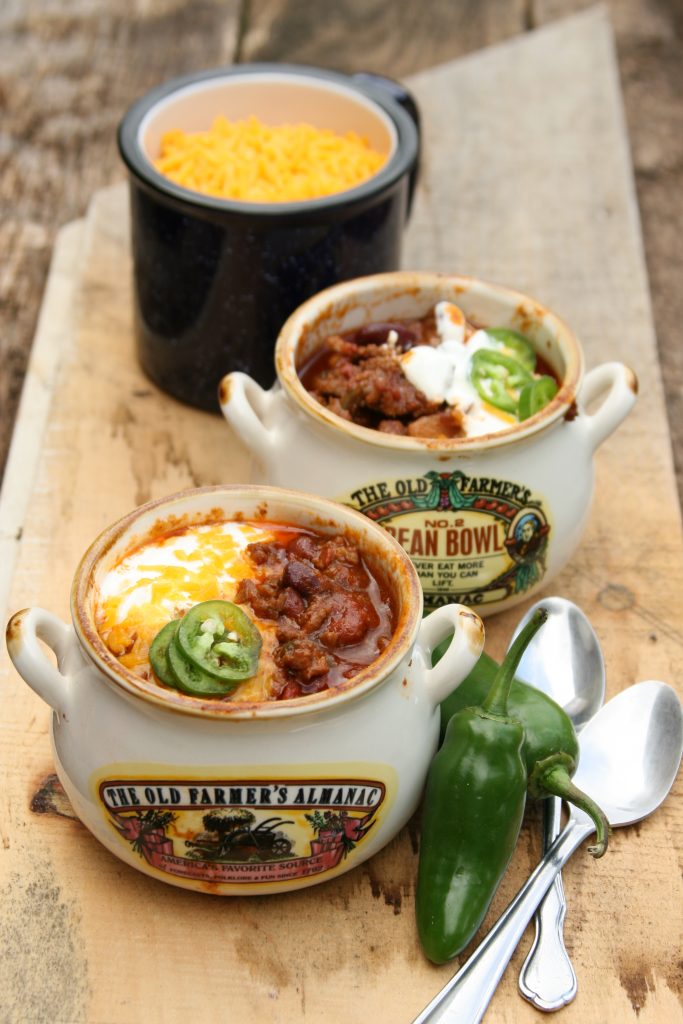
215, 279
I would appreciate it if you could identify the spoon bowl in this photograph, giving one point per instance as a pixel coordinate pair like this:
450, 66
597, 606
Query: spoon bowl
565, 660
630, 753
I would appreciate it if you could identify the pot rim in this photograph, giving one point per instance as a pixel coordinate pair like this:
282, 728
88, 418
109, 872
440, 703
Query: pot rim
314, 311
323, 512
399, 163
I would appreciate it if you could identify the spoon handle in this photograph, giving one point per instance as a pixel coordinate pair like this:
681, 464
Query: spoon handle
465, 998
547, 978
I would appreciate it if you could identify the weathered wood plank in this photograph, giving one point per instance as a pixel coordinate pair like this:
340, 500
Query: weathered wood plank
67, 74
348, 951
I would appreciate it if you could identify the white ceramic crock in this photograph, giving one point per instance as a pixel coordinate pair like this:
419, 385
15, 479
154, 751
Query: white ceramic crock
486, 520
320, 783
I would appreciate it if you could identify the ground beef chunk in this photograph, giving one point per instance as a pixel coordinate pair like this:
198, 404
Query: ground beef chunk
305, 546
340, 619
291, 604
318, 590
264, 597
287, 629
350, 577
304, 658
439, 424
335, 406
378, 383
392, 427
270, 554
337, 549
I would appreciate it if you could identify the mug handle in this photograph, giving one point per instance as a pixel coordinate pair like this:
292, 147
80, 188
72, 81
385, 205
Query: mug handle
399, 94
619, 384
245, 405
24, 630
462, 654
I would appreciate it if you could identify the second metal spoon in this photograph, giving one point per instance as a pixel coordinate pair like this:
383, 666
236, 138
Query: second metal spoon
565, 661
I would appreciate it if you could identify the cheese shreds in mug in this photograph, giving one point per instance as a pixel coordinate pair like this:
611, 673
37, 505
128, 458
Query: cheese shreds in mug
245, 611
258, 163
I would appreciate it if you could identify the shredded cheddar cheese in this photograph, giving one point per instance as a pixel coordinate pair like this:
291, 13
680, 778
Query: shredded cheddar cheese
257, 163
163, 579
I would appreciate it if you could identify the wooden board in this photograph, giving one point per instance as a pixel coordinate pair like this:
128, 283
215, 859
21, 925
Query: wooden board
511, 190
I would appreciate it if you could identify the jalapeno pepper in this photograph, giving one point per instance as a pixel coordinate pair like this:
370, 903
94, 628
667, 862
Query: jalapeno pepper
535, 396
498, 378
515, 345
209, 651
158, 653
473, 808
221, 640
551, 747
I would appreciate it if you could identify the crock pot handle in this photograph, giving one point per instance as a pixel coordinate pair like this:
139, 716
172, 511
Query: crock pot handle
24, 630
405, 99
245, 405
620, 384
462, 654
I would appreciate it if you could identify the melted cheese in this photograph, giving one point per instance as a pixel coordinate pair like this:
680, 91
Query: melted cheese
164, 578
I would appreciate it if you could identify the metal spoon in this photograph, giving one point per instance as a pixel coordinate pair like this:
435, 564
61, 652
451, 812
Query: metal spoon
565, 661
630, 753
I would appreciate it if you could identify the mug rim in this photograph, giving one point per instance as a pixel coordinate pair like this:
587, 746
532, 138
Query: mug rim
398, 164
314, 311
321, 510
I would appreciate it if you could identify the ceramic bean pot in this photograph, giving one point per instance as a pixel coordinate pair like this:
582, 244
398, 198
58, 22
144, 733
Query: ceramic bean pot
215, 279
488, 519
318, 783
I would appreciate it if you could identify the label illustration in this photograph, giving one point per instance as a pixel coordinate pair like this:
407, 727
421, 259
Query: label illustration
243, 830
472, 539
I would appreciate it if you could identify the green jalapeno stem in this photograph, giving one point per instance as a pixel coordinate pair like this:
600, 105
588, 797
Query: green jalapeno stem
551, 778
496, 702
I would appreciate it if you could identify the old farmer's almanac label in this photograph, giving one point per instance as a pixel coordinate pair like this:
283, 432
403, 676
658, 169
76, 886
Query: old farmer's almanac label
475, 540
249, 831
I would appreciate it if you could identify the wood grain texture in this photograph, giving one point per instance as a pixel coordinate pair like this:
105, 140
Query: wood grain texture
123, 948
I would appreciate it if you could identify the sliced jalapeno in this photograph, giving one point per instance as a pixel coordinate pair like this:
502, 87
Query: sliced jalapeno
535, 396
192, 679
158, 653
498, 378
220, 640
514, 344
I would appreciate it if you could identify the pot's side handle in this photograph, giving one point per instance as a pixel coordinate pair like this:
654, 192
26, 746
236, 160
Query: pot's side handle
24, 631
619, 384
246, 406
462, 654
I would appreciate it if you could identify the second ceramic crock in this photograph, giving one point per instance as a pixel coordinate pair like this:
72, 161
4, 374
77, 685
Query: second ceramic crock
486, 520
235, 798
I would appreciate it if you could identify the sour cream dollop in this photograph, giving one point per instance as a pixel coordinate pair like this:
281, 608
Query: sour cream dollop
442, 372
